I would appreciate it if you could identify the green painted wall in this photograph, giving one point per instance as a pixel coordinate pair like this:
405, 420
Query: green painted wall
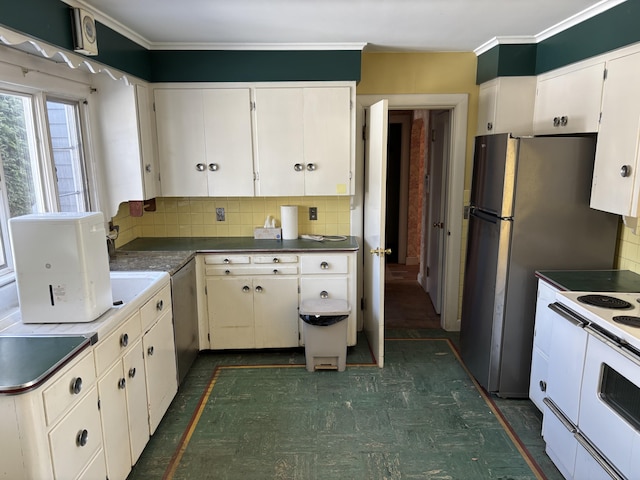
50, 21
612, 29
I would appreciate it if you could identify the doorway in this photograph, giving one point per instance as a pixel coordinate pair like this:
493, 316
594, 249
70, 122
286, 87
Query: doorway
457, 104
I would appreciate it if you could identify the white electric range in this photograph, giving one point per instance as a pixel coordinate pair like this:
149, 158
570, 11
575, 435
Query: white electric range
592, 409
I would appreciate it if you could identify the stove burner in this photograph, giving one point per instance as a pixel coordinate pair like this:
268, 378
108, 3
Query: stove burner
627, 320
604, 301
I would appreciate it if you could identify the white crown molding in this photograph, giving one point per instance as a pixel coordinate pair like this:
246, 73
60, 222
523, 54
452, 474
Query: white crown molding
580, 17
257, 46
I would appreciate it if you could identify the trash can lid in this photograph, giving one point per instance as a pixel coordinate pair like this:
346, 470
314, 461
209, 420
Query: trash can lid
324, 306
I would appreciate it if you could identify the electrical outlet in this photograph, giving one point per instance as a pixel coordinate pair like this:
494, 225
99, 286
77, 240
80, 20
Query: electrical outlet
313, 213
219, 214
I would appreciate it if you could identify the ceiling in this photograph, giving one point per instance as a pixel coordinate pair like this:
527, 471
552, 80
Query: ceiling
384, 25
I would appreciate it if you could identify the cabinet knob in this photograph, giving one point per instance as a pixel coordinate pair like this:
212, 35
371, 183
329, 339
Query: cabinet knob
124, 340
275, 271
150, 350
226, 260
200, 167
556, 121
625, 171
227, 272
324, 294
543, 385
82, 438
213, 167
276, 260
298, 167
122, 383
259, 289
246, 289
563, 121
324, 266
160, 305
132, 372
147, 168
489, 126
311, 167
76, 385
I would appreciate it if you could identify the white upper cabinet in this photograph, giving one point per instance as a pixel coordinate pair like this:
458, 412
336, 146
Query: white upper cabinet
568, 100
204, 142
124, 142
304, 141
505, 105
616, 185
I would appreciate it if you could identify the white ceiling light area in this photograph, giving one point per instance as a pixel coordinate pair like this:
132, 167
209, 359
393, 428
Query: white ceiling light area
383, 25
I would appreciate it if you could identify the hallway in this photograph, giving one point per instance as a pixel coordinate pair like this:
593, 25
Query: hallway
406, 304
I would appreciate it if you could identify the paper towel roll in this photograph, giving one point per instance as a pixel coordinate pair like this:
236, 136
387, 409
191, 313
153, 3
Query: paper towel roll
289, 221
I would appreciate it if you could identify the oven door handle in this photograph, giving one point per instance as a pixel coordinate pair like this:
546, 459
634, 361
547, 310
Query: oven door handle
606, 466
567, 314
559, 415
626, 351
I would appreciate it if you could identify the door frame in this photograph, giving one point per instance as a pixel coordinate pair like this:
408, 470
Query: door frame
454, 195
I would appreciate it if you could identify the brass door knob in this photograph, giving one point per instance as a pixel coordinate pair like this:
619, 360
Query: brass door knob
378, 251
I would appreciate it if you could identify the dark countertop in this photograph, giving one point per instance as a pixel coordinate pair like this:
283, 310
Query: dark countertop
157, 261
235, 244
592, 280
28, 361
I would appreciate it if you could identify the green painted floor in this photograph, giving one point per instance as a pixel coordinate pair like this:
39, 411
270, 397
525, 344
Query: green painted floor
421, 417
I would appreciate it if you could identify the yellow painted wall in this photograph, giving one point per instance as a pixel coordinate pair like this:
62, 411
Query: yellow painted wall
196, 217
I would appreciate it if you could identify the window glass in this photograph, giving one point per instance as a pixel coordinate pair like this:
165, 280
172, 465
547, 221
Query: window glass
66, 149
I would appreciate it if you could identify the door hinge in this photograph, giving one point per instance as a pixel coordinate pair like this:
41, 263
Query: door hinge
205, 290
298, 288
364, 132
99, 404
605, 73
600, 118
154, 106
252, 106
433, 135
363, 304
350, 104
427, 271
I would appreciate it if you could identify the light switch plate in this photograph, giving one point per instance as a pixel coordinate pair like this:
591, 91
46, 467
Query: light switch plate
219, 214
313, 213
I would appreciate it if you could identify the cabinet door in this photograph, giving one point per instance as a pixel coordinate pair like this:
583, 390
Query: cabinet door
136, 394
181, 143
148, 161
327, 140
279, 141
160, 368
228, 142
618, 139
487, 98
230, 309
113, 410
275, 304
569, 102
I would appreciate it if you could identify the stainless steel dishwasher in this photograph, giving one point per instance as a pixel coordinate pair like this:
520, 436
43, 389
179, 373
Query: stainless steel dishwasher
185, 316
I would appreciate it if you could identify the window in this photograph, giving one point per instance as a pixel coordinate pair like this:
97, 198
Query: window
42, 165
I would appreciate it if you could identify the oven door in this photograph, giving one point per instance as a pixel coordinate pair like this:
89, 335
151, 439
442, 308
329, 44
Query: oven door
610, 403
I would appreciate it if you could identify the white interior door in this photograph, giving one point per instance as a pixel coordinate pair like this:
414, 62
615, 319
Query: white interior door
439, 154
374, 238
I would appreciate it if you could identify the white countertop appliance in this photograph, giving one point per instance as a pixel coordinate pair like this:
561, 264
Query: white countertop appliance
62, 267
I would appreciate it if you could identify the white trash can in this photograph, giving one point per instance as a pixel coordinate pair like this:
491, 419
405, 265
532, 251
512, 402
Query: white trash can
325, 333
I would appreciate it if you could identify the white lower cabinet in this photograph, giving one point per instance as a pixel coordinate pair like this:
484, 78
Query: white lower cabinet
541, 344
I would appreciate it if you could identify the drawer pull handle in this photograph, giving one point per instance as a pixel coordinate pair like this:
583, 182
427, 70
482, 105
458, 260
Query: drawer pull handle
124, 340
82, 438
150, 350
324, 266
543, 385
324, 294
122, 383
132, 372
625, 171
76, 385
226, 260
298, 167
160, 305
276, 260
246, 289
259, 289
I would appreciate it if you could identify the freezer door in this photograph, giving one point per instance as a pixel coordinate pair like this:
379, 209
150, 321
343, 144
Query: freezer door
494, 169
484, 296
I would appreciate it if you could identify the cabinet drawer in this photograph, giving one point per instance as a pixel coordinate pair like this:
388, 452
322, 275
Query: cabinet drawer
275, 259
62, 393
154, 308
226, 259
273, 269
336, 288
108, 350
77, 438
96, 469
324, 264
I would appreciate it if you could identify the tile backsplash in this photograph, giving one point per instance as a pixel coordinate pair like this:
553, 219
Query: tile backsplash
199, 217
628, 251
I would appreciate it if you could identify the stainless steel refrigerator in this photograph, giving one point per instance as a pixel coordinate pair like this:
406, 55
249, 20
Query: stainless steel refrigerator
529, 211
